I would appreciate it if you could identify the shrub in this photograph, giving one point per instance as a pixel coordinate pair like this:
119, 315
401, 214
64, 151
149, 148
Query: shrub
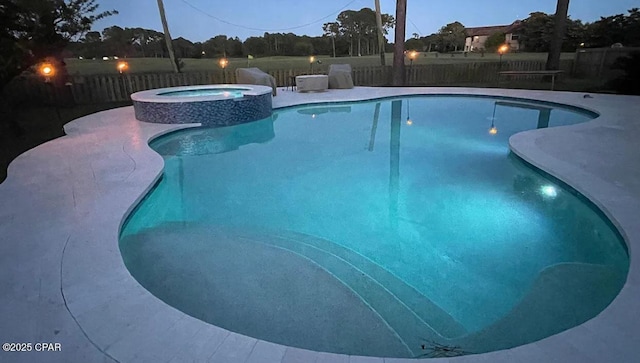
627, 83
494, 41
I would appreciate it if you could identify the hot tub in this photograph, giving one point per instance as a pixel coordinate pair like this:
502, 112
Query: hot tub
209, 105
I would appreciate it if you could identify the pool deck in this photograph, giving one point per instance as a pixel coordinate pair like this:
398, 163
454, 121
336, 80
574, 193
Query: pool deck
63, 280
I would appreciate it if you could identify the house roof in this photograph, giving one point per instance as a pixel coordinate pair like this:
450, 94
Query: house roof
488, 30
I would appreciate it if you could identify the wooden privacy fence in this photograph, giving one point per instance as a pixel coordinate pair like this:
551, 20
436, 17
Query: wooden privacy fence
597, 62
117, 88
475, 73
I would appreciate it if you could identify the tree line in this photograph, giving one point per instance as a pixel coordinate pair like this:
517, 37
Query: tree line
352, 33
536, 32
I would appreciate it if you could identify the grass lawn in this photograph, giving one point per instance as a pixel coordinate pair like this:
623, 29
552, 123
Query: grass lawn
151, 65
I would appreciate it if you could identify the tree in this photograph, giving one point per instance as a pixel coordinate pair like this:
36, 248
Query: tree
347, 22
381, 32
215, 47
560, 25
256, 46
414, 44
398, 50
332, 29
615, 29
141, 39
33, 30
494, 41
302, 48
167, 37
118, 41
431, 42
233, 47
536, 33
361, 26
183, 48
155, 43
451, 37
365, 27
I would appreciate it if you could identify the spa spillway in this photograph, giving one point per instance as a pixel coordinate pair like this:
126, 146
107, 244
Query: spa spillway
209, 105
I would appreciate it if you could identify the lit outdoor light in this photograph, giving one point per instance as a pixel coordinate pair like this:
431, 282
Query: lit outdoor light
502, 50
223, 63
311, 60
47, 70
493, 130
413, 55
122, 66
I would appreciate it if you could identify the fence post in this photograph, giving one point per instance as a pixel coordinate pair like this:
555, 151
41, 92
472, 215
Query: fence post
602, 61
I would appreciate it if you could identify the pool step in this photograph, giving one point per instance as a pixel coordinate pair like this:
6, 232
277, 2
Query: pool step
410, 314
425, 309
257, 289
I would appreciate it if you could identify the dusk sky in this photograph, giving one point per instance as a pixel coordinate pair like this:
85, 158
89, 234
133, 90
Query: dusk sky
424, 16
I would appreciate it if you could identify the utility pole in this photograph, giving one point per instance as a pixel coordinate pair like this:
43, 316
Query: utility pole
398, 47
167, 37
381, 41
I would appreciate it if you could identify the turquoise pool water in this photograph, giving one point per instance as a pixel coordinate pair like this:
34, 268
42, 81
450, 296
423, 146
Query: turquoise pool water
226, 92
396, 228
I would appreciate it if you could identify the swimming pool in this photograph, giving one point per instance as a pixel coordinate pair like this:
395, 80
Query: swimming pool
380, 228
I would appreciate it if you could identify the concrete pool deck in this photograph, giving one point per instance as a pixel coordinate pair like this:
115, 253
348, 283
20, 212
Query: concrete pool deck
63, 280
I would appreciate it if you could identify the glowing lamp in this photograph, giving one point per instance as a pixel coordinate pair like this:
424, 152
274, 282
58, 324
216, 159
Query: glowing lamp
122, 66
312, 59
413, 55
223, 63
503, 49
493, 130
47, 70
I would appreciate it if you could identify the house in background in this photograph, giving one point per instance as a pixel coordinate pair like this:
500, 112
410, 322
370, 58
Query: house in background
477, 36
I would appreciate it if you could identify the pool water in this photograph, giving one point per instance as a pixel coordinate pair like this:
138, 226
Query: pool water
396, 228
225, 92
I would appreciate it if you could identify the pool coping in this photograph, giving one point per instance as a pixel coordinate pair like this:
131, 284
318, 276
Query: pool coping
63, 203
155, 95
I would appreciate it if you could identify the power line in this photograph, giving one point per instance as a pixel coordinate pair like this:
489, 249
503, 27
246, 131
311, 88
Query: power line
415, 26
267, 30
